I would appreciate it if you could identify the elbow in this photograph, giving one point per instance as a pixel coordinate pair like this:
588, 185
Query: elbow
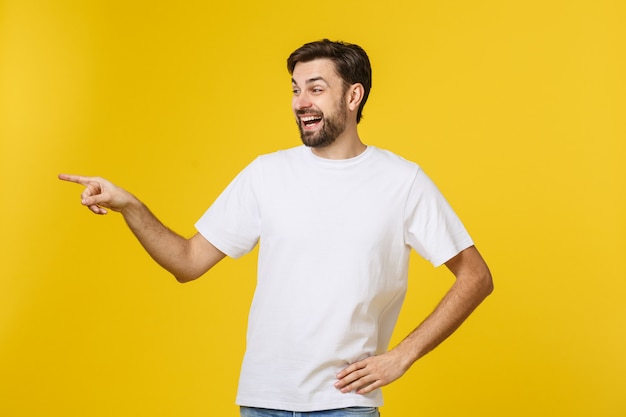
489, 289
191, 271
487, 286
195, 260
184, 277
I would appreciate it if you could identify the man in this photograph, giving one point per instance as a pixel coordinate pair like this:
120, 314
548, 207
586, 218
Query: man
335, 220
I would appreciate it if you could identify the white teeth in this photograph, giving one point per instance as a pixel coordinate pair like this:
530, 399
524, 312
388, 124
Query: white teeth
310, 118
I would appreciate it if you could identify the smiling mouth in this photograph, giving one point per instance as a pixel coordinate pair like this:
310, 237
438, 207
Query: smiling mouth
310, 121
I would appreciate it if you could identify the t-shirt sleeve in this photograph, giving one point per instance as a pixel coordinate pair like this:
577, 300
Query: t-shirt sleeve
233, 222
432, 228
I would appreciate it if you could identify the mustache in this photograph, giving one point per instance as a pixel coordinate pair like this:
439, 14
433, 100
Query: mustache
309, 112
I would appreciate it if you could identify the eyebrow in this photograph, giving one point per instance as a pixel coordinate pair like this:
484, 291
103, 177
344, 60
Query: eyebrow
311, 80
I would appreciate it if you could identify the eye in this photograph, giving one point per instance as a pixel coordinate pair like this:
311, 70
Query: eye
296, 91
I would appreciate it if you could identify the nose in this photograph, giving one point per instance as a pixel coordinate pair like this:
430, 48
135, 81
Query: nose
301, 101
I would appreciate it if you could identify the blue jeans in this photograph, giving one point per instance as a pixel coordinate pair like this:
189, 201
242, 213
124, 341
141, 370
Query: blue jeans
339, 412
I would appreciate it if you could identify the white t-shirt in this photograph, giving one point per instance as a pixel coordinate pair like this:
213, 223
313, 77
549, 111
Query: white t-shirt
335, 238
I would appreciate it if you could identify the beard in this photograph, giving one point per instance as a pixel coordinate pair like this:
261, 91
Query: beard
332, 127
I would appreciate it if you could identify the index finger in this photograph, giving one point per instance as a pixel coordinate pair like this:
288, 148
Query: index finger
349, 369
78, 179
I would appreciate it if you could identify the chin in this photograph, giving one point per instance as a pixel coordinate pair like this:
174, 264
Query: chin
317, 142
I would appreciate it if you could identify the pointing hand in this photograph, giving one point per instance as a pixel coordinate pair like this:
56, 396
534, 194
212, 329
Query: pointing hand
100, 194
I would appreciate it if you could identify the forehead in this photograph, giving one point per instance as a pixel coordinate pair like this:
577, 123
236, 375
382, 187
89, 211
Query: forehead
310, 70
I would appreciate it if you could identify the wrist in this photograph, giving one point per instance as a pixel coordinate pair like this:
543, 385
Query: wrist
407, 353
131, 205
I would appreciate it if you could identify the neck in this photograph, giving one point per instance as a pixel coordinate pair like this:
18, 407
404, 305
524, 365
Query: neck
347, 145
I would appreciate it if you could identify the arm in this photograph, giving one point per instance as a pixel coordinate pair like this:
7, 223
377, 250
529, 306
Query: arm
473, 284
186, 259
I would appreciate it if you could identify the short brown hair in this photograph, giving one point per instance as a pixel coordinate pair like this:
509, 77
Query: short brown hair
351, 63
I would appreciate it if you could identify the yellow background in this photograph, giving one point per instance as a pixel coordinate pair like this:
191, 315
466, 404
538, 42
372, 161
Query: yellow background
515, 108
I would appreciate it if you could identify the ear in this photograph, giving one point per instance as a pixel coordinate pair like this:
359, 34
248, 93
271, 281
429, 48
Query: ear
354, 96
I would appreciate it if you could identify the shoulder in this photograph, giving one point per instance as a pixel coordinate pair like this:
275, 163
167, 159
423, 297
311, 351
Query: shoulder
392, 161
289, 159
283, 155
270, 159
